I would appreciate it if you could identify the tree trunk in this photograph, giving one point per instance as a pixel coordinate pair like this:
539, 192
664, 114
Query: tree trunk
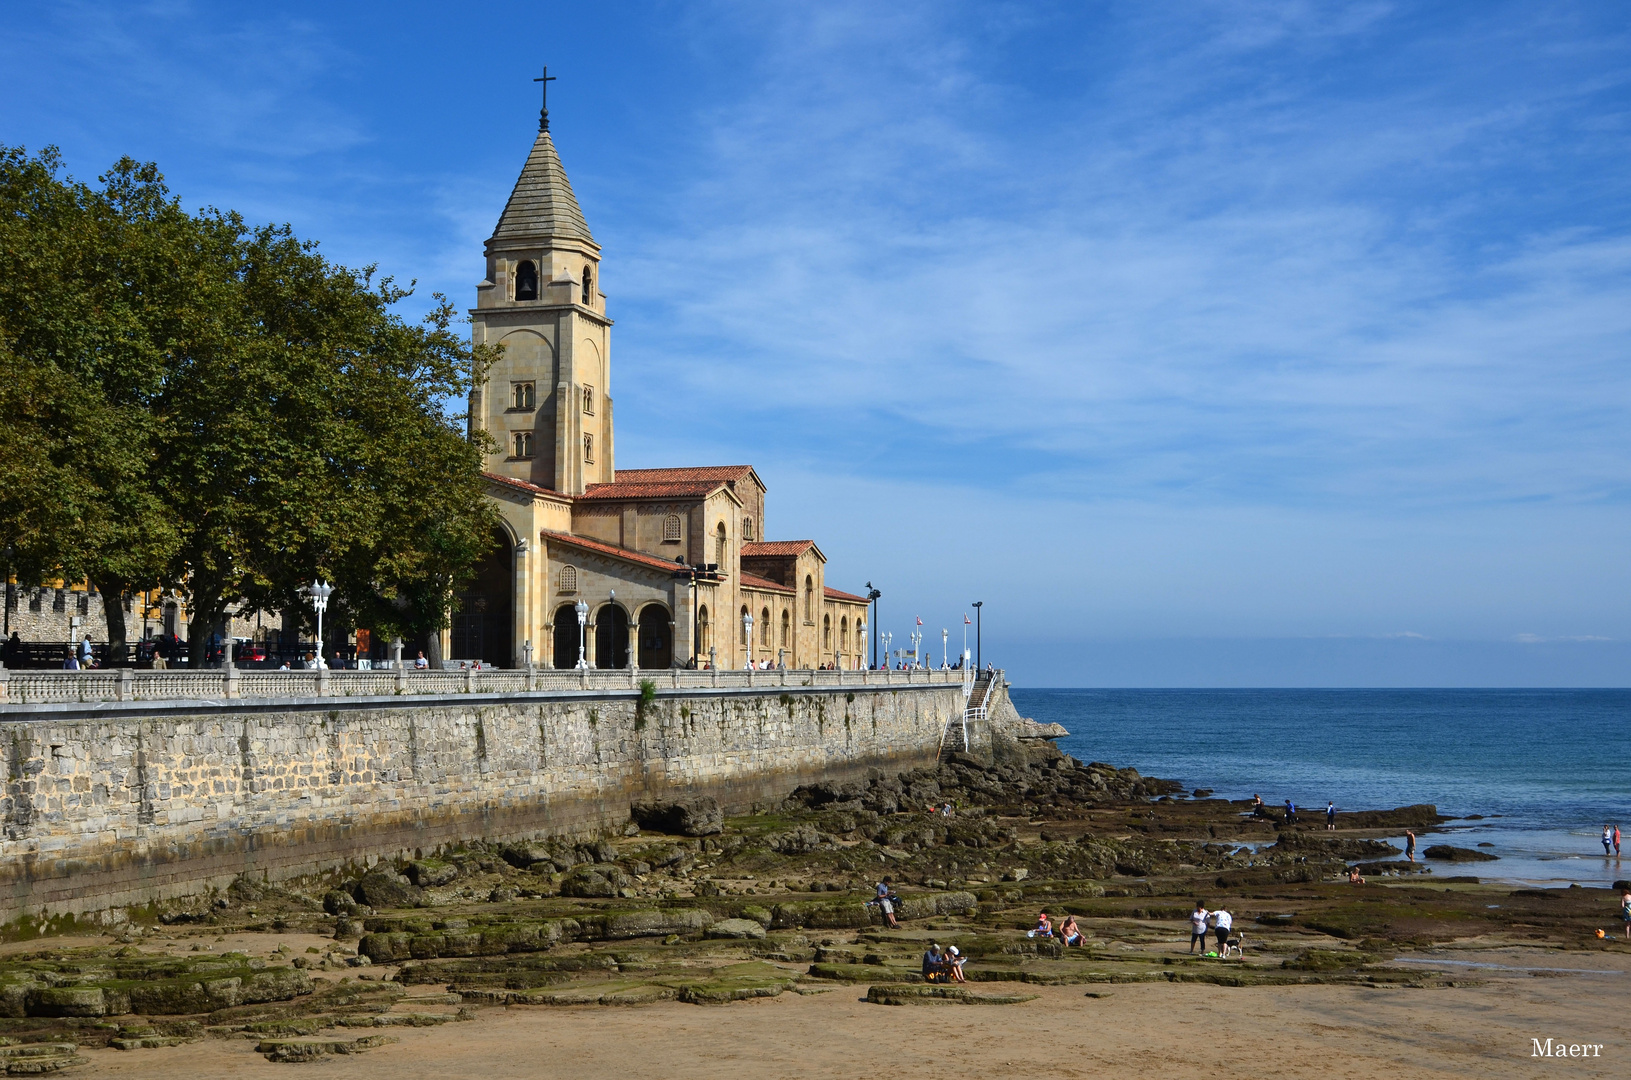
113, 592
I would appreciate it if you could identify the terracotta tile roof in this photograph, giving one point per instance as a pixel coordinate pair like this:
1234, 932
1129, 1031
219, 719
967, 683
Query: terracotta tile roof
777, 547
754, 581
648, 561
719, 473
835, 594
691, 489
522, 485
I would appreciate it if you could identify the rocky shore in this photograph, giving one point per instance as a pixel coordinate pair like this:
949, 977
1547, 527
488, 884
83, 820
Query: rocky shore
687, 904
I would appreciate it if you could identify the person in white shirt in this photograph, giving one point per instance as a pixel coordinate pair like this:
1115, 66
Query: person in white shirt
1197, 926
420, 663
1224, 922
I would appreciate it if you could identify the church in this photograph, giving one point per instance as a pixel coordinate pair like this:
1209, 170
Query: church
599, 565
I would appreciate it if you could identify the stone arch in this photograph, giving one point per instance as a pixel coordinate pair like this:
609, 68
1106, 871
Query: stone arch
611, 636
722, 543
566, 637
826, 635
482, 611
764, 628
787, 626
655, 636
704, 633
809, 599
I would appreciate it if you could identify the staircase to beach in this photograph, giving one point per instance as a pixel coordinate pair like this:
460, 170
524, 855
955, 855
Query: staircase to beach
976, 709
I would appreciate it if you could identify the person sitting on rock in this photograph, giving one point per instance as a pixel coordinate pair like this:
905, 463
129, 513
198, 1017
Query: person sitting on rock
1044, 927
886, 903
954, 960
1353, 876
934, 965
1070, 933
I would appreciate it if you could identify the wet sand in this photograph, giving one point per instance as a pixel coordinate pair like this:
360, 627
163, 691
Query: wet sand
1160, 1030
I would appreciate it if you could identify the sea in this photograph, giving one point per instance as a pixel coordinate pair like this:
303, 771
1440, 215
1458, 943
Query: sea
1529, 776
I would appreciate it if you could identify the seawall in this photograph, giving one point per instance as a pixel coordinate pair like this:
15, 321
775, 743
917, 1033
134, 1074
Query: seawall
122, 804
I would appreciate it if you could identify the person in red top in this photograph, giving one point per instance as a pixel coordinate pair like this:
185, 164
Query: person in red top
1044, 928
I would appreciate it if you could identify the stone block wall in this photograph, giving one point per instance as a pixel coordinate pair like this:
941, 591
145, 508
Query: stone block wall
122, 804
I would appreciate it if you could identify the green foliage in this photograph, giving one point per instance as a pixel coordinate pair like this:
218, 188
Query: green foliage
191, 402
648, 694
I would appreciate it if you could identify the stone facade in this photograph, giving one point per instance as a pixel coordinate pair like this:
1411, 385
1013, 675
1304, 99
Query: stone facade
575, 527
122, 804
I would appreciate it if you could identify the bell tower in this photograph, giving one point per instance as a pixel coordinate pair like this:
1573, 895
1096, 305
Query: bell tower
547, 401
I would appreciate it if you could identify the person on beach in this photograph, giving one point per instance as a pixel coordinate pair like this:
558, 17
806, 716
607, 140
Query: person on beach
1070, 933
886, 903
1625, 911
1258, 809
1353, 876
1410, 845
1044, 927
1224, 922
933, 965
1291, 812
1616, 841
1608, 840
1197, 926
1331, 816
954, 960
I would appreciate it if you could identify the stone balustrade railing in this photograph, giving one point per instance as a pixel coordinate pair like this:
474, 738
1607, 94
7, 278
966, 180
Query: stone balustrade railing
30, 687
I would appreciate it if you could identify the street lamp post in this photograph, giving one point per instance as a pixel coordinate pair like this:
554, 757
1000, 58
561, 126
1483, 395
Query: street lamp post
872, 595
944, 661
747, 636
319, 591
582, 610
917, 647
979, 658
888, 638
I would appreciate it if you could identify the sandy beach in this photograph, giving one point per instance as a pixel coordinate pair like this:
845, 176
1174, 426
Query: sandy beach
1480, 1030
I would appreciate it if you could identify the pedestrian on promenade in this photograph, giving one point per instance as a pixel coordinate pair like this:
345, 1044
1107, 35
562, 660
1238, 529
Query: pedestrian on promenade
85, 653
1410, 845
1331, 816
1197, 926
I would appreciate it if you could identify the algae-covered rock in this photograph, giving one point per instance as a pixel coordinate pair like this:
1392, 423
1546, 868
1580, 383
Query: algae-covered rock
429, 873
735, 928
822, 915
382, 948
927, 993
386, 889
1327, 960
1447, 853
587, 883
691, 817
66, 1001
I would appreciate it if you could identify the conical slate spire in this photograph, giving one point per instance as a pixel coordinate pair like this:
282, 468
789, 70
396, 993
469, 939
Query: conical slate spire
542, 205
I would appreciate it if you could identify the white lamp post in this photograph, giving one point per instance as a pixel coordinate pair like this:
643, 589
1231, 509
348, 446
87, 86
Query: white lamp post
888, 638
917, 641
747, 635
319, 592
583, 621
944, 655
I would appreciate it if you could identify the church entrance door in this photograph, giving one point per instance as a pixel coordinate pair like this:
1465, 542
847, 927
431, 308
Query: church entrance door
656, 641
482, 612
611, 637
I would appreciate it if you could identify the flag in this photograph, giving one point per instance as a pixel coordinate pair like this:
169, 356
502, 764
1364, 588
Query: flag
966, 620
920, 620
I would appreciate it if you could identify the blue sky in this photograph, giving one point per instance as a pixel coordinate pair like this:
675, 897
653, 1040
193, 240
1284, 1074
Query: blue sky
1208, 343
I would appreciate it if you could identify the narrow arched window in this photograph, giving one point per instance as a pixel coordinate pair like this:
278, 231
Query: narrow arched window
589, 448
843, 634
721, 543
826, 633
589, 400
747, 528
525, 395
786, 626
569, 579
809, 599
526, 281
703, 639
745, 639
588, 285
523, 444
672, 528
764, 628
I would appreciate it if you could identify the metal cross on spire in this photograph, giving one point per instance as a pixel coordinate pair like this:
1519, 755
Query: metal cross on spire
543, 113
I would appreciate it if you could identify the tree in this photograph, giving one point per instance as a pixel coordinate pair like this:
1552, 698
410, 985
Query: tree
195, 403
